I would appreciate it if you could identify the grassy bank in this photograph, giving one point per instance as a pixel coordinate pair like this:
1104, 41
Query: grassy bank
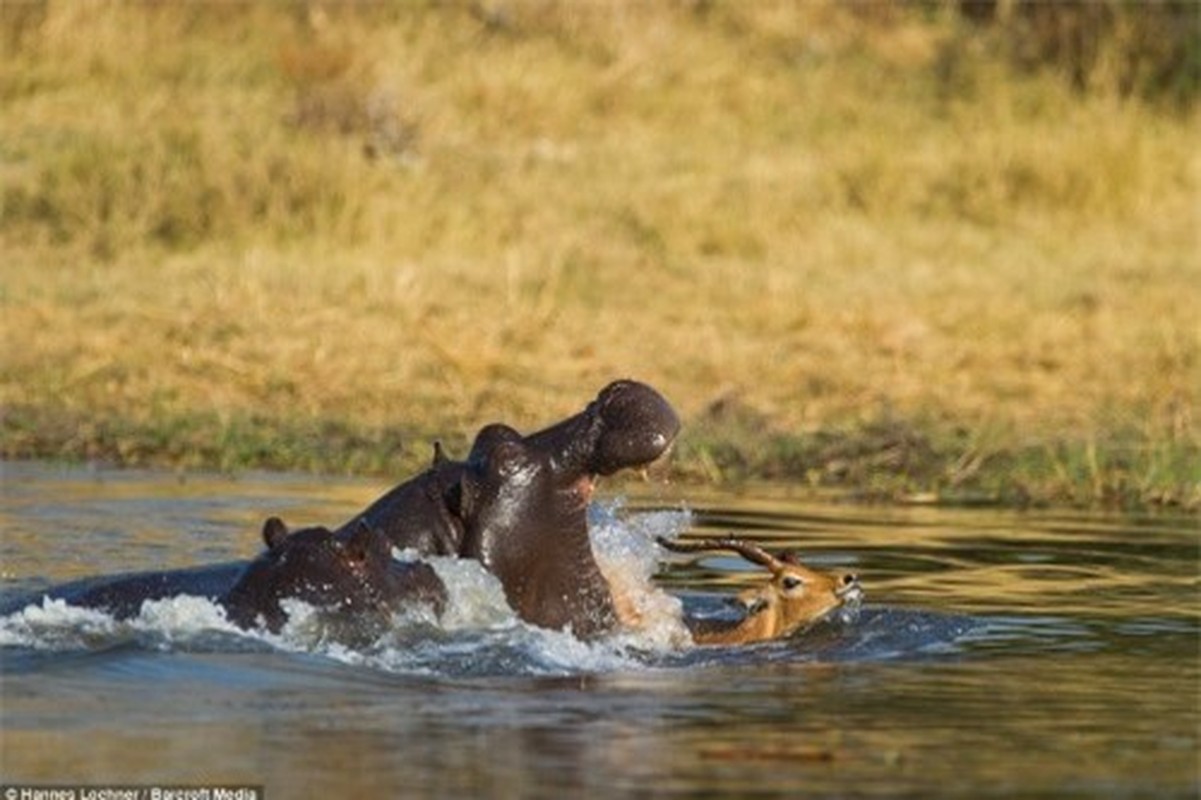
868, 250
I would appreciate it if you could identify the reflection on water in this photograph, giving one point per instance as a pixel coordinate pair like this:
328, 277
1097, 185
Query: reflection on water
997, 654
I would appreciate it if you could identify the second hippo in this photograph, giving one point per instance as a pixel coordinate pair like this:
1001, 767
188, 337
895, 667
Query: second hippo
352, 580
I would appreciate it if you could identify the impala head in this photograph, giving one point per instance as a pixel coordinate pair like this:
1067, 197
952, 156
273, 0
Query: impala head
794, 597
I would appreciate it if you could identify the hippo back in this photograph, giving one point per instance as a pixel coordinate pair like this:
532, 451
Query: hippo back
122, 595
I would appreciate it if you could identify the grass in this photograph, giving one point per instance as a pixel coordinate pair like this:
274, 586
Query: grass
857, 246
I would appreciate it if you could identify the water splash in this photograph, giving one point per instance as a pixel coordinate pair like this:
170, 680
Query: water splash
183, 622
625, 550
54, 625
475, 598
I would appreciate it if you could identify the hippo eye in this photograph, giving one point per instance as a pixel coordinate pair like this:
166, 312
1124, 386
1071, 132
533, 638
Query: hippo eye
791, 582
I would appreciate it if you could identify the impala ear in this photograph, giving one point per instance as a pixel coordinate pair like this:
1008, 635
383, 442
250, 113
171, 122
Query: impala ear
790, 557
274, 532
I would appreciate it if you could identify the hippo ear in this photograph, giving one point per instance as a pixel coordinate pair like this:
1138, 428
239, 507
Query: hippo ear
439, 455
274, 532
487, 440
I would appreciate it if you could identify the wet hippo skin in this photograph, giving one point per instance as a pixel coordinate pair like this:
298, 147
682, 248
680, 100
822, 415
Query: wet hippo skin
122, 595
353, 576
532, 535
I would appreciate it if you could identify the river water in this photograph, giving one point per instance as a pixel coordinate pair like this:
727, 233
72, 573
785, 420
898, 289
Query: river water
996, 654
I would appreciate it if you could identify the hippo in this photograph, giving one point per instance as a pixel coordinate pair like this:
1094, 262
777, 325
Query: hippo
352, 578
629, 425
122, 596
518, 504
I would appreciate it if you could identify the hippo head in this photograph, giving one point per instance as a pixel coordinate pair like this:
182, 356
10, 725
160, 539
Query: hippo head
628, 425
313, 565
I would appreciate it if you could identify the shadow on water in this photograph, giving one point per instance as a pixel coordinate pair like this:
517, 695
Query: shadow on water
998, 653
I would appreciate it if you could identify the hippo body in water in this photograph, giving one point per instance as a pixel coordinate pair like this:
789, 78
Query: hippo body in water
518, 504
353, 579
122, 595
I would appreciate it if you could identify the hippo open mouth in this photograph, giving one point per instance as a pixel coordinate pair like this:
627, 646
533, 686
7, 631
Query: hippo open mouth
584, 487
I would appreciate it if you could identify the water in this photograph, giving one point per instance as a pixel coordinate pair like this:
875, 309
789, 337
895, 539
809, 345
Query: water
997, 654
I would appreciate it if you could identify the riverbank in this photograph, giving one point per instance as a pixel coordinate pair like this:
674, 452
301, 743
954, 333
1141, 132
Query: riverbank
868, 252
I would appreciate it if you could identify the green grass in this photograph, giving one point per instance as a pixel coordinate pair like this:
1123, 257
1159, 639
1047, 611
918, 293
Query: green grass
882, 249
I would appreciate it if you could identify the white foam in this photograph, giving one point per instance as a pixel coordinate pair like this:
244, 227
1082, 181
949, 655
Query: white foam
479, 634
304, 629
181, 617
475, 597
55, 625
559, 652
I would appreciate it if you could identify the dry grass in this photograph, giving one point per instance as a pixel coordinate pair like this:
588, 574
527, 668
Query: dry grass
301, 235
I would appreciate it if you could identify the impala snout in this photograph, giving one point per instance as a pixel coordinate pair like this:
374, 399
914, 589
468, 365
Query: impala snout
849, 587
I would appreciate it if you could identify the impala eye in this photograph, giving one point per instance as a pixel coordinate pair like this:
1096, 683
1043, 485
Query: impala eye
791, 582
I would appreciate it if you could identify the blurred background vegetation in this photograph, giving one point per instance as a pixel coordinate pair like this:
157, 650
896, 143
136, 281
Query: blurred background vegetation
940, 250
